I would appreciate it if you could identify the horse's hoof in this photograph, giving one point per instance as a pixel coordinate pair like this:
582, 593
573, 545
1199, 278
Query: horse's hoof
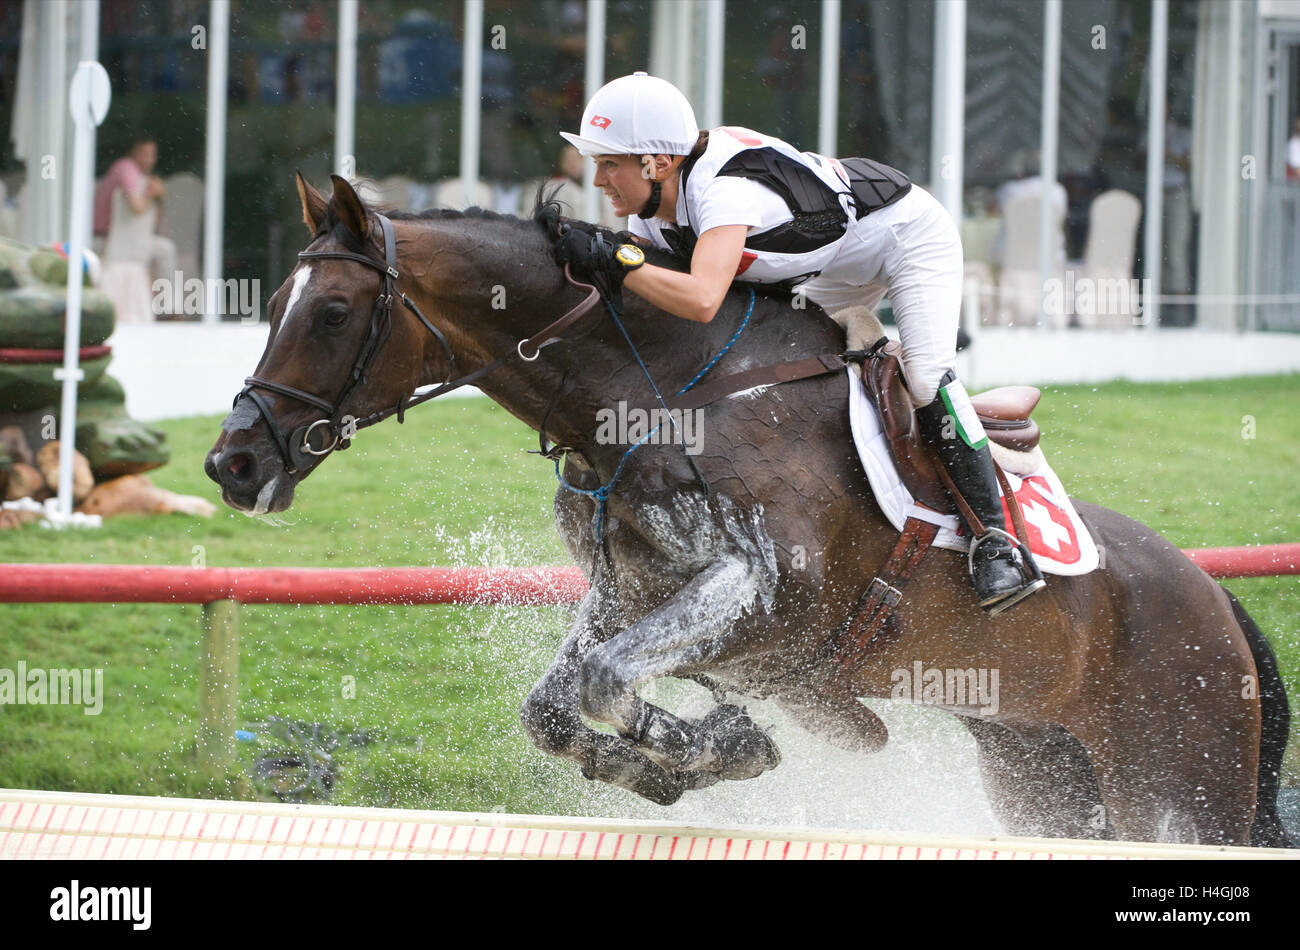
743, 748
655, 784
698, 779
662, 789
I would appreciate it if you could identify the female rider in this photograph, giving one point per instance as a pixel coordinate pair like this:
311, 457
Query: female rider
841, 233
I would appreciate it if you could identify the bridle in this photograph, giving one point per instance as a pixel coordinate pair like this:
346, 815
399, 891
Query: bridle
338, 427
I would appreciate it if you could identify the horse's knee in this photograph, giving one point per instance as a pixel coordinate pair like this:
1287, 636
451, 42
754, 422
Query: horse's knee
601, 688
549, 724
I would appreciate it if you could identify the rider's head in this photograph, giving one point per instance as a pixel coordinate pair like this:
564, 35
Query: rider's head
638, 128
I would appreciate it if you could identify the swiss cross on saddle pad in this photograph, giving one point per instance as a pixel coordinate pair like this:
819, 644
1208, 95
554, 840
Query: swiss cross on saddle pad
1058, 538
1050, 528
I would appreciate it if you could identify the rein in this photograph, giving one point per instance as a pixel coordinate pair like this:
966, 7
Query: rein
296, 449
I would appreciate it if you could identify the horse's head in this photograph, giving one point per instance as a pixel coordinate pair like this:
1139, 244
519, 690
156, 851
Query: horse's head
341, 346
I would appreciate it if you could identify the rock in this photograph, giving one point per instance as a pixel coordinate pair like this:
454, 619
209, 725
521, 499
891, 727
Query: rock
25, 481
14, 444
137, 494
9, 518
47, 460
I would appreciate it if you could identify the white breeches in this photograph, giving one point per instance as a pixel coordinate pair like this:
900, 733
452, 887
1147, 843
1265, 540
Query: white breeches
912, 251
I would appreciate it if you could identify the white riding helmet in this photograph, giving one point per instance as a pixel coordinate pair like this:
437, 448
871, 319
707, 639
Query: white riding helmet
636, 115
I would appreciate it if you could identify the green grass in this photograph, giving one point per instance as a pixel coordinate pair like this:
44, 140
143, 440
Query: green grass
438, 689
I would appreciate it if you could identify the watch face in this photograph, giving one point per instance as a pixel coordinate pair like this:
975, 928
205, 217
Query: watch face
630, 255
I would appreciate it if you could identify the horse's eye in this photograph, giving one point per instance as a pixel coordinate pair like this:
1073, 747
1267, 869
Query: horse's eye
335, 318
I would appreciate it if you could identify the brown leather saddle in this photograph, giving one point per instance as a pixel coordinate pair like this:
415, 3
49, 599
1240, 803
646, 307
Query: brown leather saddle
1004, 413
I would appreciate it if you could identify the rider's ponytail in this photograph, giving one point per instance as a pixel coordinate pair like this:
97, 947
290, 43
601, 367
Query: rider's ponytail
700, 145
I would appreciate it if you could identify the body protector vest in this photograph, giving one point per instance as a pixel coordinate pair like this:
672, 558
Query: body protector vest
823, 194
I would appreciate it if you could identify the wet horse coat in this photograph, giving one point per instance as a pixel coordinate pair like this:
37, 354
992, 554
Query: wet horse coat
1121, 692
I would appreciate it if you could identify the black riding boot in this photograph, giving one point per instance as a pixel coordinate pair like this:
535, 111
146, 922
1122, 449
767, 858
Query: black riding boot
996, 564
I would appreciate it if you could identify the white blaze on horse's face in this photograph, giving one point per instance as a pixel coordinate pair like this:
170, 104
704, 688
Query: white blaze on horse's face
299, 282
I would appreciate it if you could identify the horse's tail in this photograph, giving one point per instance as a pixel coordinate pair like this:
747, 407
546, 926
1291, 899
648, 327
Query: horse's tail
1275, 725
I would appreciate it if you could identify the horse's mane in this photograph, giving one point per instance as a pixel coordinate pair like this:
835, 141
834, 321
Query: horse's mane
547, 211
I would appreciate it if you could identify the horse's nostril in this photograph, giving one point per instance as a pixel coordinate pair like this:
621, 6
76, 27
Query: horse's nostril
239, 464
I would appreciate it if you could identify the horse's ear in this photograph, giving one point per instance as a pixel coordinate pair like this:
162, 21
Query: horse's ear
314, 204
348, 206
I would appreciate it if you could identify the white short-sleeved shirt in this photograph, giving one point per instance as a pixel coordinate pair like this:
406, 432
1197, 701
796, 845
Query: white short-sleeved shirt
725, 201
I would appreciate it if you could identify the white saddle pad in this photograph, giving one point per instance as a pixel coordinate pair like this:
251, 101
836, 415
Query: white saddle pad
1058, 538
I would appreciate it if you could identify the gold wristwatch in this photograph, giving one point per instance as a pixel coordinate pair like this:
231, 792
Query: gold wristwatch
630, 256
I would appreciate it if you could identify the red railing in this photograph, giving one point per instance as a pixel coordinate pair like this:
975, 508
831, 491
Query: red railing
522, 586
220, 590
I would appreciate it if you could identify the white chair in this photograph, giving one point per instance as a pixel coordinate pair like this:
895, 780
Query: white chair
183, 220
1112, 235
450, 193
979, 238
979, 278
126, 261
1020, 290
979, 235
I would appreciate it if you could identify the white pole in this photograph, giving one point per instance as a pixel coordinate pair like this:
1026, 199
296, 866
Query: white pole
89, 30
1047, 237
88, 100
594, 79
44, 198
684, 26
828, 99
471, 98
89, 53
214, 171
715, 32
345, 93
948, 126
1153, 240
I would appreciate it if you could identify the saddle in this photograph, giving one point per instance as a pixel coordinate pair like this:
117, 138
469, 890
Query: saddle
1004, 413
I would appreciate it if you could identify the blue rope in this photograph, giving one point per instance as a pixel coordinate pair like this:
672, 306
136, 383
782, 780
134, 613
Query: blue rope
602, 493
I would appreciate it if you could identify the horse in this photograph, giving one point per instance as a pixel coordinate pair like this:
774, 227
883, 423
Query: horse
1137, 702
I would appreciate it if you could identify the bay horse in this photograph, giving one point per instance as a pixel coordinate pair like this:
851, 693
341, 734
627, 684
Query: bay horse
1137, 702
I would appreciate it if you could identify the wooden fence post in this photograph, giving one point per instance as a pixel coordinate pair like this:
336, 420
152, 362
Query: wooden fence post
218, 686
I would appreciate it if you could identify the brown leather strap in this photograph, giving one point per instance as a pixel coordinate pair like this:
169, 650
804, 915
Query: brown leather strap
963, 507
862, 635
1013, 505
549, 333
714, 390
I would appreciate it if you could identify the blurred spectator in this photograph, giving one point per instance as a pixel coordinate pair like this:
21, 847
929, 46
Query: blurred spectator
133, 174
1177, 276
564, 185
1293, 153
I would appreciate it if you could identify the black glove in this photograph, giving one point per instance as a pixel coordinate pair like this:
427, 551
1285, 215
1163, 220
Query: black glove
590, 254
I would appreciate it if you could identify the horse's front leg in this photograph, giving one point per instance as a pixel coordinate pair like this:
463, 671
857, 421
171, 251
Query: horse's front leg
552, 720
685, 635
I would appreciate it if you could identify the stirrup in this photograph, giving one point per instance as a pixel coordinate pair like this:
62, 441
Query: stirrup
1027, 566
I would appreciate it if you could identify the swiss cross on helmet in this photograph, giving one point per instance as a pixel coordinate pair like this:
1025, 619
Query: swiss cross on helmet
636, 115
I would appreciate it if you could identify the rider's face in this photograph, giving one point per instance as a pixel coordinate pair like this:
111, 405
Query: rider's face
625, 184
